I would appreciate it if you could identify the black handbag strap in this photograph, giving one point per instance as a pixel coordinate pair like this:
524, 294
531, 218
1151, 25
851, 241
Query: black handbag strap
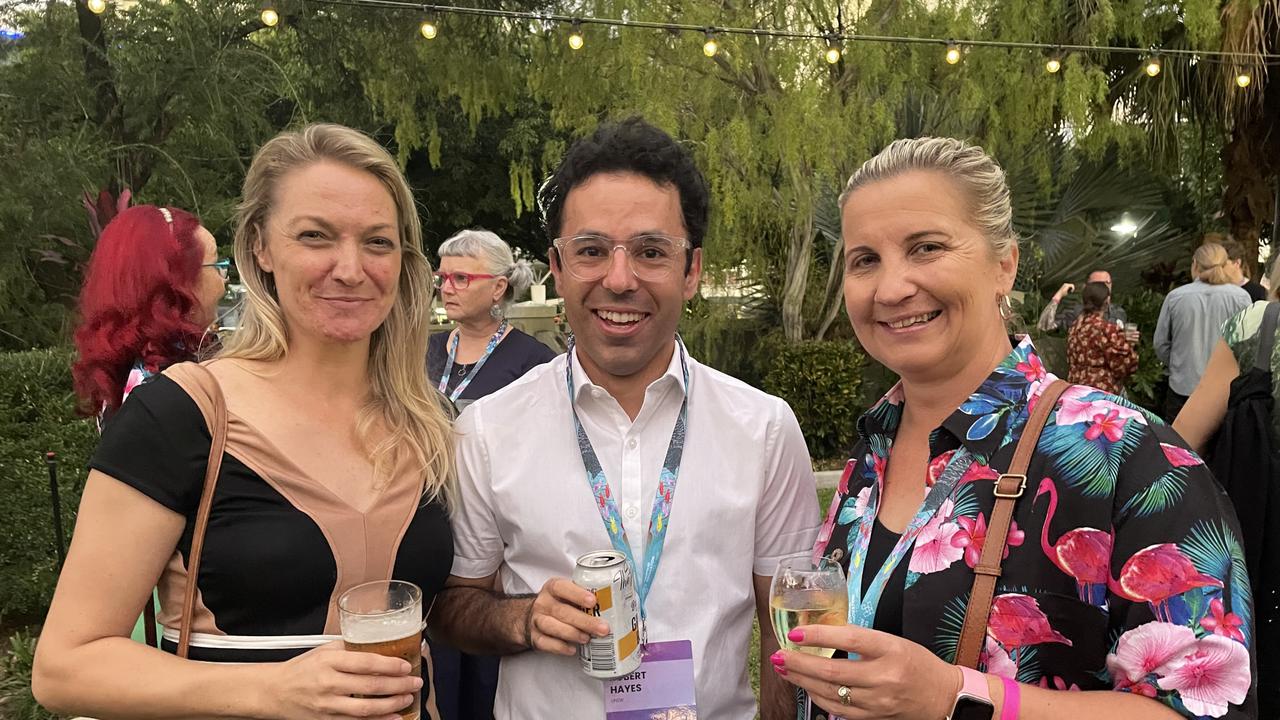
1267, 336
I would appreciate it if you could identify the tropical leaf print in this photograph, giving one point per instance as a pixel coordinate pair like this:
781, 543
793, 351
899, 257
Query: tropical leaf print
965, 499
1029, 666
946, 641
1214, 550
1089, 465
1159, 496
886, 414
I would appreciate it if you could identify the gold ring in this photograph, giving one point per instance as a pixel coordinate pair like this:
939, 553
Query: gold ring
845, 694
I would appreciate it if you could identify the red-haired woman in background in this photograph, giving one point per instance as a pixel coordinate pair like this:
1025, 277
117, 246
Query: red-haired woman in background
150, 292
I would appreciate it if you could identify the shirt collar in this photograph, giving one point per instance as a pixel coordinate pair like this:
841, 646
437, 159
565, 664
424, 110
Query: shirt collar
674, 375
982, 422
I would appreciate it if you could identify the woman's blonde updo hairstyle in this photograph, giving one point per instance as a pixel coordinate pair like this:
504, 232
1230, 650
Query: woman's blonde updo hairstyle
981, 179
403, 420
1209, 264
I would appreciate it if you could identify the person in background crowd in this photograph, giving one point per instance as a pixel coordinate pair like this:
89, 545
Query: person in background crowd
1191, 319
1062, 310
338, 469
625, 442
1118, 581
478, 280
1099, 352
150, 294
1235, 251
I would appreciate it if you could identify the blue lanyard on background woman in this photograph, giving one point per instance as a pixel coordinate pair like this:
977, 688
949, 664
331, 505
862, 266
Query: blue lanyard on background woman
661, 515
453, 352
862, 610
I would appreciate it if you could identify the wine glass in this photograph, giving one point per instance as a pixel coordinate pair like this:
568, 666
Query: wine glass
807, 593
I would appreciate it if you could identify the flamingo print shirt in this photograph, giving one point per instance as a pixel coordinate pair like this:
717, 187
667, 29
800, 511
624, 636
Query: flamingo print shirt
1124, 568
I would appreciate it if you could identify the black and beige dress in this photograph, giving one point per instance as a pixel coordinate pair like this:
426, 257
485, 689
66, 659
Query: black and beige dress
280, 547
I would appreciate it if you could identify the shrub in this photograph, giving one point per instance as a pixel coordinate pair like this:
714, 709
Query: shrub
36, 416
16, 700
820, 379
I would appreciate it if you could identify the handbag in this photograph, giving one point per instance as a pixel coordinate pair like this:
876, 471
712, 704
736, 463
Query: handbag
1009, 487
217, 444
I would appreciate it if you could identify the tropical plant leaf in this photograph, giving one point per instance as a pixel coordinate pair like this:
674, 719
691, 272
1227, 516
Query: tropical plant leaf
1089, 466
946, 641
1215, 550
1159, 496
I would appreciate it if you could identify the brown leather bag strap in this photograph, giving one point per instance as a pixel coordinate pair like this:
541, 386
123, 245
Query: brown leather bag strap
217, 444
1009, 487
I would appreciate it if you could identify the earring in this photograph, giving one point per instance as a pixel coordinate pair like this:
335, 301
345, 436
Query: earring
495, 311
1006, 308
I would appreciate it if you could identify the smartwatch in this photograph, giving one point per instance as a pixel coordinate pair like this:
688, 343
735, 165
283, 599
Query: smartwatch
973, 702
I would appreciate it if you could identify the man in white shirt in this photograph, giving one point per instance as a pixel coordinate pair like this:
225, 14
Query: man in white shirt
627, 210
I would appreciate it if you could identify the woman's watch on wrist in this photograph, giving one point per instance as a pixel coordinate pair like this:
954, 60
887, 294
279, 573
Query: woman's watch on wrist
973, 701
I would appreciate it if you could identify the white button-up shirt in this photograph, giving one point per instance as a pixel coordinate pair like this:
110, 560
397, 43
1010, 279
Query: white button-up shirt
745, 497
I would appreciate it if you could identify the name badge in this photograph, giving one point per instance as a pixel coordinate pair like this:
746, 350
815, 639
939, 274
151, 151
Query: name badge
660, 689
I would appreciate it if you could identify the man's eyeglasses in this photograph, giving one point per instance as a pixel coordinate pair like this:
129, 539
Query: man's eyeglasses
653, 257
223, 267
459, 280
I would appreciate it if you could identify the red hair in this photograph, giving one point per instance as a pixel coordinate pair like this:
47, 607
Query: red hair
137, 302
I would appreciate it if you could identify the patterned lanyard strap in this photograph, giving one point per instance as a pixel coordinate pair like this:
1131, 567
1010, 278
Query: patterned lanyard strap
862, 610
453, 353
659, 519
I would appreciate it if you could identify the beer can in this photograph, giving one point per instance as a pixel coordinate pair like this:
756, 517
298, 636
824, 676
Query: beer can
607, 574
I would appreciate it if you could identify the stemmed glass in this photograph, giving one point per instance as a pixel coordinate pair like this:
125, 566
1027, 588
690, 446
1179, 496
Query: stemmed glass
807, 593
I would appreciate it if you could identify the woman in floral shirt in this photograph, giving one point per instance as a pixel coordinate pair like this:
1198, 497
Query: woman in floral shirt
1124, 580
1098, 352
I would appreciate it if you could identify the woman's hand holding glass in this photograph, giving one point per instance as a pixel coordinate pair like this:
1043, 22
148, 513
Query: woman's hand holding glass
805, 593
892, 677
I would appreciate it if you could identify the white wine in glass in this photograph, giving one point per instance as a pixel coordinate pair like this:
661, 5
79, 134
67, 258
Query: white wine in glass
804, 593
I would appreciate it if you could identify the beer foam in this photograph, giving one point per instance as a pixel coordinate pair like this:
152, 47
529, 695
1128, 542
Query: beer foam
366, 629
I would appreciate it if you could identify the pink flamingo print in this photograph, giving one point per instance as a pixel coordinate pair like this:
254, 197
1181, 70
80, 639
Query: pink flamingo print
1083, 553
1017, 621
1157, 573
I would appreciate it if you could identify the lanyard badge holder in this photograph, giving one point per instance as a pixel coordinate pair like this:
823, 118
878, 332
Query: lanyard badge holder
443, 387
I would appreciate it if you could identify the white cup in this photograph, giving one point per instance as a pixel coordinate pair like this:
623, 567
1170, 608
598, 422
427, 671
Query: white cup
538, 293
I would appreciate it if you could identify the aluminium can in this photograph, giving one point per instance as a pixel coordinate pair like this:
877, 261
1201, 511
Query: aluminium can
607, 574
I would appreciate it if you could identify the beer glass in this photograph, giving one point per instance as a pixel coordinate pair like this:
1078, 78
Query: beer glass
385, 617
805, 593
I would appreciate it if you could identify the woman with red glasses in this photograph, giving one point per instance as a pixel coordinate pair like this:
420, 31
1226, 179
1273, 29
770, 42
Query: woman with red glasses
478, 279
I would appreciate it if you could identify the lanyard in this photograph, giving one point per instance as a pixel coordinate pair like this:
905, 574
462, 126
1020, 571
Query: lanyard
862, 610
659, 519
453, 352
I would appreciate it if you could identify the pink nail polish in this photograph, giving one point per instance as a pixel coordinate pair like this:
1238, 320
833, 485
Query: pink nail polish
780, 670
796, 636
777, 659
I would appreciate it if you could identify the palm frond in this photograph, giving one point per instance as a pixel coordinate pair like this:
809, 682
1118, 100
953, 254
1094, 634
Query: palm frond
1159, 496
1215, 550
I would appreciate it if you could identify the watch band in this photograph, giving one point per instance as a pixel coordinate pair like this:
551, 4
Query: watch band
973, 701
974, 684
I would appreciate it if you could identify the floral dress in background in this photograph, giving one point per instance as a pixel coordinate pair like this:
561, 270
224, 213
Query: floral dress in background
1124, 569
1098, 354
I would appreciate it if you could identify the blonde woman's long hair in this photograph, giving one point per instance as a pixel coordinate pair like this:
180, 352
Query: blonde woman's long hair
1209, 264
403, 420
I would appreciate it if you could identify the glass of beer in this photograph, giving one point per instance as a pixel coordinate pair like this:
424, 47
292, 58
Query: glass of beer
385, 617
807, 593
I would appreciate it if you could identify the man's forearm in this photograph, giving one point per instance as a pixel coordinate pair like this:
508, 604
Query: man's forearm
481, 622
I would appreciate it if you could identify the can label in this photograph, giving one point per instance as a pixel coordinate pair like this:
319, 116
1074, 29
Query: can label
607, 574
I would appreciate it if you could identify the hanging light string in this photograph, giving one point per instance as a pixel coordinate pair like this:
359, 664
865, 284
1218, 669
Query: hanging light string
1222, 56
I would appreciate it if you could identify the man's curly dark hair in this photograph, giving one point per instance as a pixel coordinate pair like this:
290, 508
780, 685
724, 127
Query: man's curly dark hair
631, 145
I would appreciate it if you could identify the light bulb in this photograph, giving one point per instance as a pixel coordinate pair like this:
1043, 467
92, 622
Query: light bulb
1053, 66
1243, 80
97, 7
270, 17
428, 30
576, 40
832, 55
710, 47
1153, 67
953, 54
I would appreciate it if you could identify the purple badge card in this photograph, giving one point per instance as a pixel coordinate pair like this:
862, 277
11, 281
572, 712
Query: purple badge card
660, 689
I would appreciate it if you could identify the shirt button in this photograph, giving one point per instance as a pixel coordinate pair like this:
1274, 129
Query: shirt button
632, 512
632, 443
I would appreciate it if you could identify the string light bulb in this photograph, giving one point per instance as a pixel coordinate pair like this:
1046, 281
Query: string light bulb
1053, 65
833, 53
953, 53
576, 40
710, 47
1243, 79
97, 7
269, 16
1153, 67
428, 29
